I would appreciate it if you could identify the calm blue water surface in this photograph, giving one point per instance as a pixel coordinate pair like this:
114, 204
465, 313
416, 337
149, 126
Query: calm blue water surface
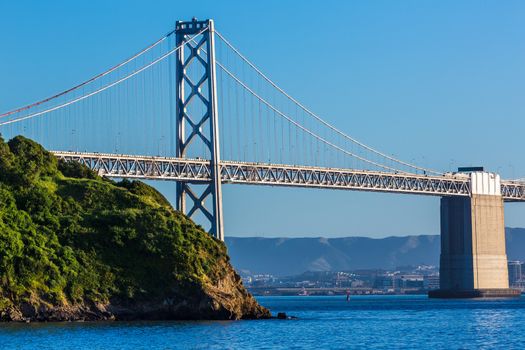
373, 322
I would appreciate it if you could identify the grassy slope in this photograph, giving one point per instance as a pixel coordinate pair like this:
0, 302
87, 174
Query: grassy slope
67, 235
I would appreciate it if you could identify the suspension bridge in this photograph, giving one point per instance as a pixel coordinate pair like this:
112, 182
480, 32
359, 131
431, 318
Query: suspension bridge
191, 108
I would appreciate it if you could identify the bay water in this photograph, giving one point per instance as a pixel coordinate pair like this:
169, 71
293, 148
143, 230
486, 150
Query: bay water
364, 322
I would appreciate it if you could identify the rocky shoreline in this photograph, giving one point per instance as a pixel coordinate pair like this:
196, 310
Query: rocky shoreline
26, 312
225, 300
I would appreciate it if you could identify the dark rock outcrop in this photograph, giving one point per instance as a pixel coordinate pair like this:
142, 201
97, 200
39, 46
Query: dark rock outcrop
228, 300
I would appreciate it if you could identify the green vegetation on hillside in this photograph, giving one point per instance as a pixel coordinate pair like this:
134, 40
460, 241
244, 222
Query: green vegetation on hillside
68, 235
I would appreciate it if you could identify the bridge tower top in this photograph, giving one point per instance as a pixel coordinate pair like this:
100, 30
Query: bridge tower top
194, 26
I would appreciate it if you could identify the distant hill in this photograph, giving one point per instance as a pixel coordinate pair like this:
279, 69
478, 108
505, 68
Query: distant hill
290, 256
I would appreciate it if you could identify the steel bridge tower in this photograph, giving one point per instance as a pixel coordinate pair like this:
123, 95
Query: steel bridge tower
197, 56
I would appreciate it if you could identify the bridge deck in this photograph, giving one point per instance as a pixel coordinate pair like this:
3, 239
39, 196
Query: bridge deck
198, 170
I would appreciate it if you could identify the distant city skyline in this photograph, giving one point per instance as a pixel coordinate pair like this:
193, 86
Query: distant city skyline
438, 84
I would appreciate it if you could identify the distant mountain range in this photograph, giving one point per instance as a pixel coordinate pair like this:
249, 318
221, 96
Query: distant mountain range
291, 256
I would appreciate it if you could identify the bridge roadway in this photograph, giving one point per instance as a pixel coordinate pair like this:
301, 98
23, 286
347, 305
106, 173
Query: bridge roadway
198, 170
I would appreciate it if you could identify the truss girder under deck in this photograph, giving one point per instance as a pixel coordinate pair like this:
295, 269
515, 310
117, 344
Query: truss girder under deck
200, 171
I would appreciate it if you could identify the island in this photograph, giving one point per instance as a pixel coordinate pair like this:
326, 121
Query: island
76, 246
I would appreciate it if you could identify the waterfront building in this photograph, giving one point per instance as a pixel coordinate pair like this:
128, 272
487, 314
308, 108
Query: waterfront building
431, 282
515, 273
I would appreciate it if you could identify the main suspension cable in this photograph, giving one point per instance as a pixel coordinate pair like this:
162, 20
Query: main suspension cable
308, 131
98, 76
161, 58
315, 116
289, 119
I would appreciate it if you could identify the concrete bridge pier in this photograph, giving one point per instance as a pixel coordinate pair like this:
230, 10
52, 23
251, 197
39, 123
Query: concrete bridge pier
473, 261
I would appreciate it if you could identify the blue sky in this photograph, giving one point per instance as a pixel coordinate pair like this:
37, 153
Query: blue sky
438, 83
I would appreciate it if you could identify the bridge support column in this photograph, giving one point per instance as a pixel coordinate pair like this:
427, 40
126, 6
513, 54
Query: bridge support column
473, 259
197, 120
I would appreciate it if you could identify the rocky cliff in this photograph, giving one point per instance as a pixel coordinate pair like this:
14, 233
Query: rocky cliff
74, 246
